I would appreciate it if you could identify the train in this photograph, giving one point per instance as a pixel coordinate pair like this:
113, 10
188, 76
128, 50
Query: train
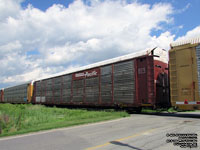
133, 81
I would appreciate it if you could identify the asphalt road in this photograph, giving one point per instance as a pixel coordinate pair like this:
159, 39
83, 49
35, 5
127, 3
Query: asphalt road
138, 132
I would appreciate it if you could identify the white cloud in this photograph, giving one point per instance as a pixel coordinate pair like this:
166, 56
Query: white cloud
191, 34
9, 8
74, 36
163, 40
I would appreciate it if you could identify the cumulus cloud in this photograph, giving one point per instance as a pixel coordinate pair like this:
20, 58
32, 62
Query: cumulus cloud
37, 43
9, 8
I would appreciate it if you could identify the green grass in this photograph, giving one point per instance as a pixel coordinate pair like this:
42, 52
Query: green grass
158, 110
24, 118
169, 110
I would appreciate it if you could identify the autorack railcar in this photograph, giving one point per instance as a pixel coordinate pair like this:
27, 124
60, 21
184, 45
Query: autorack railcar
184, 68
130, 81
18, 94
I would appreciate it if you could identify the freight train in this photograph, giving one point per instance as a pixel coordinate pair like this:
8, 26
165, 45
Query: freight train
132, 81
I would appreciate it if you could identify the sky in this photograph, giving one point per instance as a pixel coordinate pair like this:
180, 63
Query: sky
41, 38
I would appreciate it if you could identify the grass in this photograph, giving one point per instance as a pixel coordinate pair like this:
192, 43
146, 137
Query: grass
158, 110
24, 118
169, 110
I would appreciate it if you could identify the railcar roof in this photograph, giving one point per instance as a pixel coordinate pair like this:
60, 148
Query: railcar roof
113, 60
194, 40
19, 84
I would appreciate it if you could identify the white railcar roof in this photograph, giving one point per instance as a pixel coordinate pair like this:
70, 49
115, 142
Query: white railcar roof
12, 86
194, 40
157, 51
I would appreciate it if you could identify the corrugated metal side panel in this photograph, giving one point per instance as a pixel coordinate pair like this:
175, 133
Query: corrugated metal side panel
124, 82
49, 91
198, 68
66, 88
92, 90
17, 94
78, 90
57, 89
173, 76
106, 84
40, 92
38, 88
183, 74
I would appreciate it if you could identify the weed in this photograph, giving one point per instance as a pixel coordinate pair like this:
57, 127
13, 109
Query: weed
24, 118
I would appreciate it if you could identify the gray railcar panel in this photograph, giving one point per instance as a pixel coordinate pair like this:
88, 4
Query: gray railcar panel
124, 82
92, 89
106, 70
66, 95
17, 94
67, 85
106, 84
54, 90
106, 79
66, 88
40, 90
92, 82
57, 87
67, 78
78, 87
48, 91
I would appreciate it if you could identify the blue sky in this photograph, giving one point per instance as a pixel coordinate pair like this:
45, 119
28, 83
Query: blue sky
44, 37
185, 16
